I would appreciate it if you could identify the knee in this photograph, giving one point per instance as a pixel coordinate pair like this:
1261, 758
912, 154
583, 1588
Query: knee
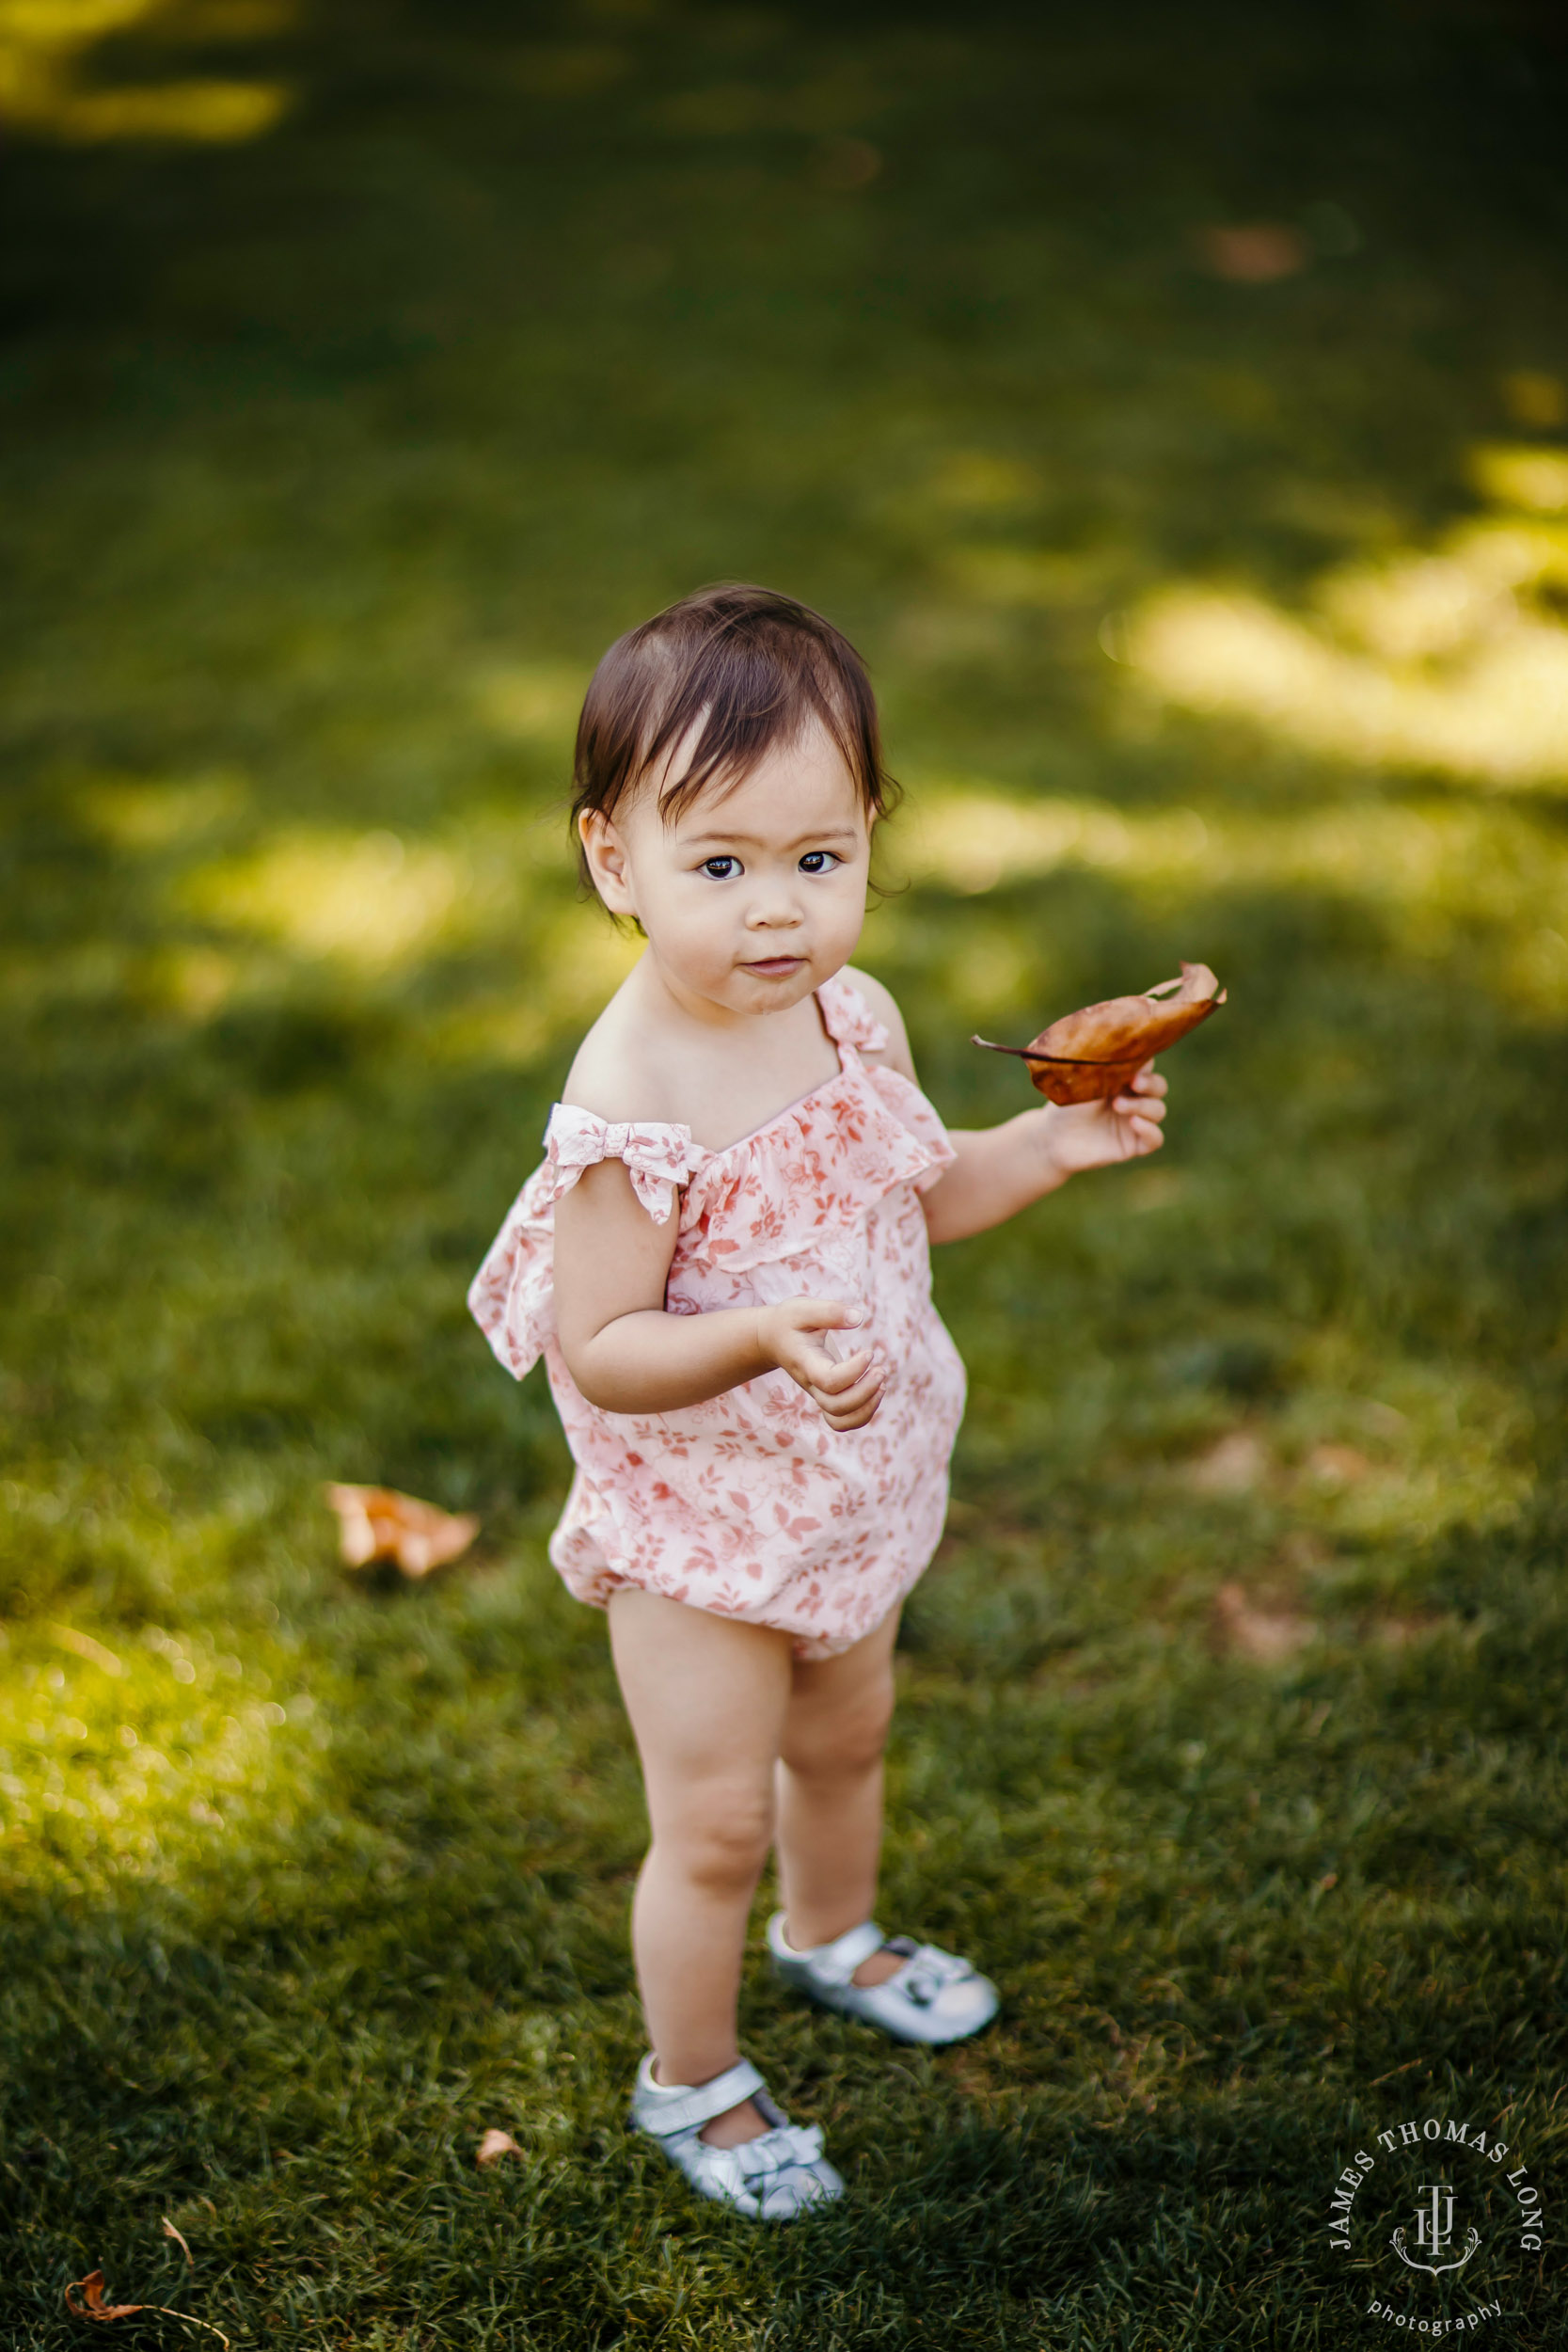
849, 1738
721, 1835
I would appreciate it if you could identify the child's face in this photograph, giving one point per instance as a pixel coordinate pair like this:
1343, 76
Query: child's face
756, 894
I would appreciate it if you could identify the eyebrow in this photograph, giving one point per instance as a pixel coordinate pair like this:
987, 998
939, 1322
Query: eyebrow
753, 842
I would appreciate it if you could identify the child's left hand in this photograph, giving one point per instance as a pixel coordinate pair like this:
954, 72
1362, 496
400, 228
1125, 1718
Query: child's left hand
1079, 1136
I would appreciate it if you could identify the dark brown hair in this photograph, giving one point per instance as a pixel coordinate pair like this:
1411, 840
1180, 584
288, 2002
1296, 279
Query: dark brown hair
751, 668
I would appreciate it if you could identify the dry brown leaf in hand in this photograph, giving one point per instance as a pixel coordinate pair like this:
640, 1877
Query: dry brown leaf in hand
1091, 1056
495, 2145
170, 2231
93, 2305
378, 1523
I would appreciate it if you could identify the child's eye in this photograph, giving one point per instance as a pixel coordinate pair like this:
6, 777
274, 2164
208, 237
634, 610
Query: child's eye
721, 869
820, 860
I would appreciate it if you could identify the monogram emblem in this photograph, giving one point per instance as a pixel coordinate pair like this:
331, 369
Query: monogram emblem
1434, 2223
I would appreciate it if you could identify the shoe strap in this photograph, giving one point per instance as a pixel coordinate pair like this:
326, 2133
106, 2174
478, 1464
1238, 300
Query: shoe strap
836, 1962
667, 2110
779, 2150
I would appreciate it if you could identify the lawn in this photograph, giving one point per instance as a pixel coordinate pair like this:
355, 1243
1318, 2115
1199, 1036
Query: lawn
1174, 405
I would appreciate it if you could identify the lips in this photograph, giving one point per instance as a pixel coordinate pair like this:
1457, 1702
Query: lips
775, 967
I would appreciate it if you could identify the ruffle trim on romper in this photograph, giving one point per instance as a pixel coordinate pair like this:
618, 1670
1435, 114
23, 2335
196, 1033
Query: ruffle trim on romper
848, 1019
512, 1297
852, 1022
897, 1137
736, 1218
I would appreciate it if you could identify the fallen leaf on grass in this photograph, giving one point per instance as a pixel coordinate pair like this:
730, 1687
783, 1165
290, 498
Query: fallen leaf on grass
378, 1523
1232, 1466
1254, 255
495, 2145
1090, 1055
1266, 1636
170, 2231
1338, 1465
93, 2305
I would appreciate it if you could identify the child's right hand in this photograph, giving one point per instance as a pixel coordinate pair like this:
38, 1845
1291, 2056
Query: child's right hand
845, 1393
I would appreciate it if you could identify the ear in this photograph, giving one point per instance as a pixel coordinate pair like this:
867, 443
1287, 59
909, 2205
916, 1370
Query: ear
608, 862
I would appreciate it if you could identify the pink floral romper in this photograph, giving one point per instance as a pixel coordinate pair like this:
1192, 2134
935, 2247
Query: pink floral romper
750, 1505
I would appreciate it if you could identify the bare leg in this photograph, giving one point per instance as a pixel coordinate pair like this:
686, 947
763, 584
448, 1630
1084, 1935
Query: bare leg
708, 1699
829, 1794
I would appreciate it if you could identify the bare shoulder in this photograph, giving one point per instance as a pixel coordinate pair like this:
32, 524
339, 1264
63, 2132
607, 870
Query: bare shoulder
616, 1072
885, 1006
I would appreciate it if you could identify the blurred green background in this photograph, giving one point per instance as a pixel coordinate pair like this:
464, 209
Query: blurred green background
1173, 403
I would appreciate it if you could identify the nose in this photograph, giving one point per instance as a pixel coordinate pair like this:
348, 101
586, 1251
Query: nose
775, 906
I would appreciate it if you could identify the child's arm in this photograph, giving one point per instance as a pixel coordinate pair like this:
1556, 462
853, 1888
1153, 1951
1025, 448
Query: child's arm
1000, 1170
628, 1355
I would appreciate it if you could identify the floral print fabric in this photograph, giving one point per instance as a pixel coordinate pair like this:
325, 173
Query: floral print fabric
750, 1505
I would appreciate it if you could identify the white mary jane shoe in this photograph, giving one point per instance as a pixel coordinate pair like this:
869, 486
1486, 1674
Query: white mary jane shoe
934, 1996
770, 2179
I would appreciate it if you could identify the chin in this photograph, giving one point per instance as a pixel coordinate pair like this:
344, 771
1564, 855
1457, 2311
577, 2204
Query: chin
763, 994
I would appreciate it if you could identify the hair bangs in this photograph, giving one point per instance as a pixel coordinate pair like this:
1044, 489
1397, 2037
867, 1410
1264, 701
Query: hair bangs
727, 675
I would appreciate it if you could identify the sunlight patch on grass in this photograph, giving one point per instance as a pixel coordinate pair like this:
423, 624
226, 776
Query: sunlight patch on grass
210, 23
143, 814
127, 1750
194, 980
577, 962
1430, 869
370, 907
1386, 1451
369, 900
1536, 479
40, 26
214, 113
199, 981
43, 45
1453, 660
40, 41
379, 904
1502, 719
971, 838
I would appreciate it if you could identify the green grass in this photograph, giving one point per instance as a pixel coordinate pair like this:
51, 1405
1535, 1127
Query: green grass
1230, 1738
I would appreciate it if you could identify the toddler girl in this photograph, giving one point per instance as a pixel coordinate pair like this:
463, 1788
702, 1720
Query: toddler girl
742, 1168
